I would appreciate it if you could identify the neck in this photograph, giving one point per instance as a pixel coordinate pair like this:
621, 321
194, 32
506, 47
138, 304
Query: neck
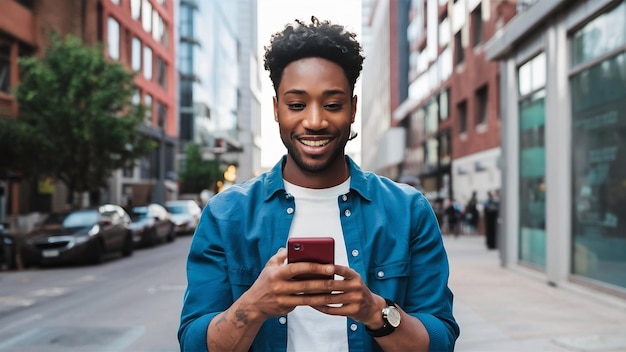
335, 174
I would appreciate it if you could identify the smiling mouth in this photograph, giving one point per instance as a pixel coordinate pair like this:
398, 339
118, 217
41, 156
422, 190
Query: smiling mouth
316, 143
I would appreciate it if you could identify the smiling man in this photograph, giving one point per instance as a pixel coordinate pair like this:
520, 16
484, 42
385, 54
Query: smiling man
390, 288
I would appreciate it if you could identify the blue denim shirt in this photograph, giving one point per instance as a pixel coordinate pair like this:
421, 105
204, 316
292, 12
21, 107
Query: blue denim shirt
392, 239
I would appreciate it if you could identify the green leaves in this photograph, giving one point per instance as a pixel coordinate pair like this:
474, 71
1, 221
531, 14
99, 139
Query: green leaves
76, 106
198, 174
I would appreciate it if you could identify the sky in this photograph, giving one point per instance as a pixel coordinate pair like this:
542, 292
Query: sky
272, 17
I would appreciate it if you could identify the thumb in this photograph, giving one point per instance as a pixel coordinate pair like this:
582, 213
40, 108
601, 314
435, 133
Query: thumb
279, 258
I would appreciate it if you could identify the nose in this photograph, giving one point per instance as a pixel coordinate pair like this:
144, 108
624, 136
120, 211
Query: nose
315, 119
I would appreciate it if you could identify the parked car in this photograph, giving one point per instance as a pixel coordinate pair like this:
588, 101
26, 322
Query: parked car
80, 236
185, 215
151, 224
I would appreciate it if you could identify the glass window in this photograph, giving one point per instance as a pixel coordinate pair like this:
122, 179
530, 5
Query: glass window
136, 98
161, 73
146, 16
532, 75
431, 148
443, 105
156, 31
163, 38
599, 149
459, 53
432, 117
444, 32
477, 25
147, 62
481, 105
445, 148
135, 9
600, 36
136, 54
113, 38
5, 67
462, 108
161, 114
147, 102
532, 162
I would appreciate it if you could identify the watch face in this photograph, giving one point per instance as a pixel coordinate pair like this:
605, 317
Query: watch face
393, 316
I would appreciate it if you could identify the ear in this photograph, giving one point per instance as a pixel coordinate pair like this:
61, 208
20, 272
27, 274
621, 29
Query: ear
354, 104
275, 101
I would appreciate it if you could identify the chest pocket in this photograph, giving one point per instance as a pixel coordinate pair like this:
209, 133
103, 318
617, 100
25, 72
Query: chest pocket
390, 271
390, 279
241, 280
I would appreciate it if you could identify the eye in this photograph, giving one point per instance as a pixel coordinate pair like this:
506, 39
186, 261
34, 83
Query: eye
296, 106
333, 106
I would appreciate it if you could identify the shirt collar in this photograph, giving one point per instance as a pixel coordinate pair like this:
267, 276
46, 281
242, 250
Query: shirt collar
358, 180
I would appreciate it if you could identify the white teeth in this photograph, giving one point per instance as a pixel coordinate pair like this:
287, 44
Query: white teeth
318, 143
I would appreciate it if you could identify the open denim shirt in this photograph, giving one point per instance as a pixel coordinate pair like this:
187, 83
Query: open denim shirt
392, 239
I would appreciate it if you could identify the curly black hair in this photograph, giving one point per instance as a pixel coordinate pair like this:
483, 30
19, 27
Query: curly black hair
317, 39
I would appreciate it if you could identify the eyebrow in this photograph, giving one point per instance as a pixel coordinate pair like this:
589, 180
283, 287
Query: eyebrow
326, 93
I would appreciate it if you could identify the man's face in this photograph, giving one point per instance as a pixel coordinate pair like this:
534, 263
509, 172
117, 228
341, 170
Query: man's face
314, 109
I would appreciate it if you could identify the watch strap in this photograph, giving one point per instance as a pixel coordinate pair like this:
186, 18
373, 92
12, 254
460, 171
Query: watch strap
386, 329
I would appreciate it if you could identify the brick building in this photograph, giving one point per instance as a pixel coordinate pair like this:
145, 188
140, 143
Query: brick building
138, 33
451, 113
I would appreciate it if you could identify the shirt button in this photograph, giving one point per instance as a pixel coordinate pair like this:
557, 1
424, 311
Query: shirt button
381, 273
289, 210
282, 320
348, 213
355, 252
353, 327
344, 197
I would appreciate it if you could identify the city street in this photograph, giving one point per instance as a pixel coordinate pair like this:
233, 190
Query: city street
124, 304
133, 304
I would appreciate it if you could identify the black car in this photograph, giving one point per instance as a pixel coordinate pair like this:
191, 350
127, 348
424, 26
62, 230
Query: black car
81, 236
150, 225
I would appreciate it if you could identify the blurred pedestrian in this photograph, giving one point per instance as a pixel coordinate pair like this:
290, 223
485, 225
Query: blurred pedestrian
491, 210
453, 217
471, 213
391, 291
439, 210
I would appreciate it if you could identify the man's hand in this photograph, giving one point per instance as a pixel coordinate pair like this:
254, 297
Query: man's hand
350, 297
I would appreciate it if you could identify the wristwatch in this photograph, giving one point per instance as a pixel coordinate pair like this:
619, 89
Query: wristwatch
391, 320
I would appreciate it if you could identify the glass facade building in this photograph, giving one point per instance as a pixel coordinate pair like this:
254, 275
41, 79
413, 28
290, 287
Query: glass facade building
564, 143
208, 70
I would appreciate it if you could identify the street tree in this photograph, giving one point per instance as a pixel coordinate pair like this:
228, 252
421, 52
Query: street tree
198, 174
76, 106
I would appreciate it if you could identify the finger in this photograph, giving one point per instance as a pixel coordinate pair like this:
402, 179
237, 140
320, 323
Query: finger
346, 272
279, 258
309, 268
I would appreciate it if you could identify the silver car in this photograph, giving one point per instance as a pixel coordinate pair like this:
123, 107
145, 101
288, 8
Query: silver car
185, 215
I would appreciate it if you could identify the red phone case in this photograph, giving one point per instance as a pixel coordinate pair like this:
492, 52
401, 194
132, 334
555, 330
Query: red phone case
311, 249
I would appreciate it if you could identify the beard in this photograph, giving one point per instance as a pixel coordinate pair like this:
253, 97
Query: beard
316, 165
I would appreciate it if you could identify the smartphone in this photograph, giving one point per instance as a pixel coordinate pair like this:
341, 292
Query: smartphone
311, 249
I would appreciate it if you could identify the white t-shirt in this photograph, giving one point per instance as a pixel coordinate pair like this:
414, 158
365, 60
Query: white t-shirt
317, 215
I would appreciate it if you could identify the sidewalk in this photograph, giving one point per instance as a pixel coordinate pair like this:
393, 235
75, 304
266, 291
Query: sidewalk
505, 310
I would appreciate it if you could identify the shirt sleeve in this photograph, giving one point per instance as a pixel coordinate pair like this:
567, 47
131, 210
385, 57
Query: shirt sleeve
429, 298
208, 292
